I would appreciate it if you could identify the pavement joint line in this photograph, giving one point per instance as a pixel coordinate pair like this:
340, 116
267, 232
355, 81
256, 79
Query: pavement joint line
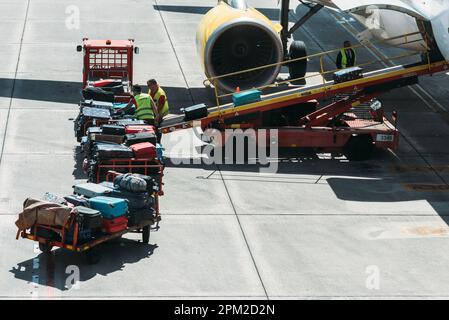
14, 82
174, 51
243, 234
371, 48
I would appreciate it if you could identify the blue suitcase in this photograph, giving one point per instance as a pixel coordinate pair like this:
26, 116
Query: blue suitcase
246, 97
109, 207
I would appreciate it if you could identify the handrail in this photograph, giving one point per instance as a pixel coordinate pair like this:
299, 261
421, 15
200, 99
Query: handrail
321, 55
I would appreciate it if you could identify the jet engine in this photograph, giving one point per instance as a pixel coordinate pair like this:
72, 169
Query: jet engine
233, 37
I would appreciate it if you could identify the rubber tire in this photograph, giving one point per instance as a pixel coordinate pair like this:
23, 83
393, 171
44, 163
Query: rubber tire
93, 256
45, 247
146, 234
359, 148
297, 69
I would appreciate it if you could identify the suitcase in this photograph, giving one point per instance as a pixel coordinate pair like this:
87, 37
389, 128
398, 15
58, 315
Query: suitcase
109, 207
246, 97
97, 113
195, 112
84, 235
112, 151
348, 74
136, 200
97, 104
113, 129
130, 129
107, 184
139, 216
77, 200
144, 150
92, 130
140, 137
160, 151
111, 226
88, 218
99, 137
51, 197
90, 190
130, 122
91, 93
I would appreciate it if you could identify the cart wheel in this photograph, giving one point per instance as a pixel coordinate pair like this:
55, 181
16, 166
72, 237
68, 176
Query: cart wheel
45, 247
359, 148
93, 256
146, 234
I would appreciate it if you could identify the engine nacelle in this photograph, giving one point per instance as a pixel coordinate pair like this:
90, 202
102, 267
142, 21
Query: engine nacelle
233, 37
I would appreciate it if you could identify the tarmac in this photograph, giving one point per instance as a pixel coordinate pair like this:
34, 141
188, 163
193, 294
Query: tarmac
320, 227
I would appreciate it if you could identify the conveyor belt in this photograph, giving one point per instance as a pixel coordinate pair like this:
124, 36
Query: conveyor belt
307, 93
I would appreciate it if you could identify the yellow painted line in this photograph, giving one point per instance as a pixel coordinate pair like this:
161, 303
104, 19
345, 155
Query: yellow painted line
426, 187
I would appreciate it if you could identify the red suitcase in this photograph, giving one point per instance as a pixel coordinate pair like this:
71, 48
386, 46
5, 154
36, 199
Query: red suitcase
139, 128
144, 150
115, 225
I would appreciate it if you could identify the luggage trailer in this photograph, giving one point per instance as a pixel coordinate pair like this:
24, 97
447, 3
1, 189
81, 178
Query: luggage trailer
335, 127
107, 60
89, 248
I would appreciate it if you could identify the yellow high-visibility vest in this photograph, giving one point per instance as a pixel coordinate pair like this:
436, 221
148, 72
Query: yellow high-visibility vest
344, 58
144, 109
160, 92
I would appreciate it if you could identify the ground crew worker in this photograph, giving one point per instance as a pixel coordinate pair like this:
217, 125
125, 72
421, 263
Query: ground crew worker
145, 108
346, 57
160, 99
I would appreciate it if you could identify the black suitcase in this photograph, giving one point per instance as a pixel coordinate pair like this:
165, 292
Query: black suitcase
92, 130
97, 113
195, 112
77, 201
92, 93
113, 129
110, 151
136, 200
348, 74
88, 218
97, 104
131, 139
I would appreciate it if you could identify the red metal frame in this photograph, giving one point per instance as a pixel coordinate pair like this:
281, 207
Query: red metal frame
108, 59
32, 235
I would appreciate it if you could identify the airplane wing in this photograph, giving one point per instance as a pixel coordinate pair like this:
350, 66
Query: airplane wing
362, 5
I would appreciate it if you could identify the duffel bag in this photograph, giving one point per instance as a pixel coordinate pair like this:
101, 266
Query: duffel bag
131, 183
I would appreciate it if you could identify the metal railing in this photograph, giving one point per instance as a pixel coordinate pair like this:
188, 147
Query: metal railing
321, 56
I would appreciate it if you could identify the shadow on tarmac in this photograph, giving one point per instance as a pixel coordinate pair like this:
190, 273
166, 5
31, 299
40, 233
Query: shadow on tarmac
55, 270
42, 90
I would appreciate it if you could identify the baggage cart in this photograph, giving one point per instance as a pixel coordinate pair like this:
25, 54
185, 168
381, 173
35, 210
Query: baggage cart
49, 237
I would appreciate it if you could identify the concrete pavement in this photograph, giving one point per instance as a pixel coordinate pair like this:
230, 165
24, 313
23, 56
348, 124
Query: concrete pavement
319, 227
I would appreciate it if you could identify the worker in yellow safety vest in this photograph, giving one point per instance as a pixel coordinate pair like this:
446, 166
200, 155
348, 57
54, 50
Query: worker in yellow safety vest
346, 57
159, 98
145, 108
